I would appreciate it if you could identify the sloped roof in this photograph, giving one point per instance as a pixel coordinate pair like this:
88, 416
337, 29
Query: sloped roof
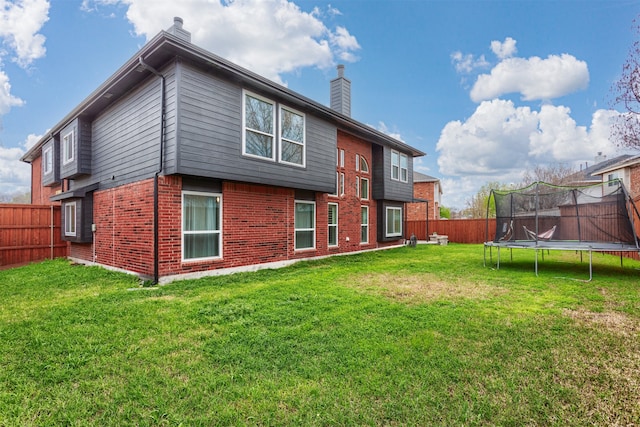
420, 177
592, 173
165, 47
621, 163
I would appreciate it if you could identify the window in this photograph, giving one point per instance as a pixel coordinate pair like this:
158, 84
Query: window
394, 222
364, 166
610, 178
335, 193
364, 188
395, 165
357, 186
357, 162
70, 219
69, 147
47, 160
292, 137
305, 225
259, 124
341, 159
333, 224
341, 184
364, 224
404, 168
201, 225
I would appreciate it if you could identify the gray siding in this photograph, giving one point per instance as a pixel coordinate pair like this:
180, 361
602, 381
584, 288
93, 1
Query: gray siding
81, 163
84, 219
385, 188
53, 177
210, 142
126, 136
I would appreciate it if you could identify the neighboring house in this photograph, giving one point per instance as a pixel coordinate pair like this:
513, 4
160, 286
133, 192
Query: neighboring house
183, 163
625, 168
427, 193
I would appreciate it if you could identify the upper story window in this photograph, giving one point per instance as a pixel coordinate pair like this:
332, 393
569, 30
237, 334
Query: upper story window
399, 166
47, 160
259, 126
69, 147
269, 130
364, 166
292, 136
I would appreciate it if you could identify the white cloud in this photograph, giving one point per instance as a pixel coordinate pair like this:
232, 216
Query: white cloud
268, 37
15, 176
382, 127
466, 64
7, 100
534, 78
20, 22
504, 49
500, 141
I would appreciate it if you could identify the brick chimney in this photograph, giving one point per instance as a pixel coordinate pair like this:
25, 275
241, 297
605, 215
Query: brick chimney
177, 30
341, 93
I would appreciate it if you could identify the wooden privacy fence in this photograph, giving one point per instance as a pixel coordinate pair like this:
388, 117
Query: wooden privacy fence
30, 233
458, 230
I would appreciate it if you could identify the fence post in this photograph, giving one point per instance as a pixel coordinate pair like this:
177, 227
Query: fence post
51, 219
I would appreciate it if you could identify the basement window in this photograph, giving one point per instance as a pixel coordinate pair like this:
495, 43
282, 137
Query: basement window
201, 226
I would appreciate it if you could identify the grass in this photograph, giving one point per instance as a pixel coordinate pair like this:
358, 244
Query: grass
409, 336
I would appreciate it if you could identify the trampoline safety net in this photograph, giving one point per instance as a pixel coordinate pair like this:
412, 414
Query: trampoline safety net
600, 216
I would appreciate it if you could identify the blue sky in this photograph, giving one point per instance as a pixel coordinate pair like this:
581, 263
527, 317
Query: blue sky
488, 89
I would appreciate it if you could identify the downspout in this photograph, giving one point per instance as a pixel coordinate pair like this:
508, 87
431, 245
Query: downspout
156, 215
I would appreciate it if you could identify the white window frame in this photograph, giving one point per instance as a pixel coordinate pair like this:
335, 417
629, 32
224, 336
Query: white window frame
364, 226
341, 158
362, 195
393, 233
69, 152
357, 186
282, 139
404, 170
274, 150
70, 211
341, 184
357, 162
47, 160
214, 232
395, 165
364, 165
295, 230
332, 225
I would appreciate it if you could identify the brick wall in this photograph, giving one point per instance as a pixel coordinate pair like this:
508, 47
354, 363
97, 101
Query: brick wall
124, 228
418, 211
39, 194
257, 222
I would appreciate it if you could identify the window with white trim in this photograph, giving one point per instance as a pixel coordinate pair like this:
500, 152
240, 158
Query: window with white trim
335, 193
364, 224
69, 147
357, 162
357, 186
333, 224
394, 222
341, 184
292, 137
259, 127
201, 225
395, 165
364, 166
70, 219
305, 225
364, 188
341, 158
404, 168
47, 160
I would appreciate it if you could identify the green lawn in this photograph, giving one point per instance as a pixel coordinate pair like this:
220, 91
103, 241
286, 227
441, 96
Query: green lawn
409, 336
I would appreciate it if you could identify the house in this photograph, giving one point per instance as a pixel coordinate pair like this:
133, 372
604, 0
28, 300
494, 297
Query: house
627, 169
184, 164
427, 193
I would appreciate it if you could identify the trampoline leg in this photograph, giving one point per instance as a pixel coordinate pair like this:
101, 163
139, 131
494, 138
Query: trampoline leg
536, 262
590, 266
498, 264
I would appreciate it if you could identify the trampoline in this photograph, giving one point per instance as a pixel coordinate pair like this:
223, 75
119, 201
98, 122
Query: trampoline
542, 216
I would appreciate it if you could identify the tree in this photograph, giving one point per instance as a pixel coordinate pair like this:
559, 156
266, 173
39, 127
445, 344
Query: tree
445, 212
625, 130
477, 204
556, 174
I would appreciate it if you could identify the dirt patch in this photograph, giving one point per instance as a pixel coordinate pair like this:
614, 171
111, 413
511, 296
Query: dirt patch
612, 321
422, 287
